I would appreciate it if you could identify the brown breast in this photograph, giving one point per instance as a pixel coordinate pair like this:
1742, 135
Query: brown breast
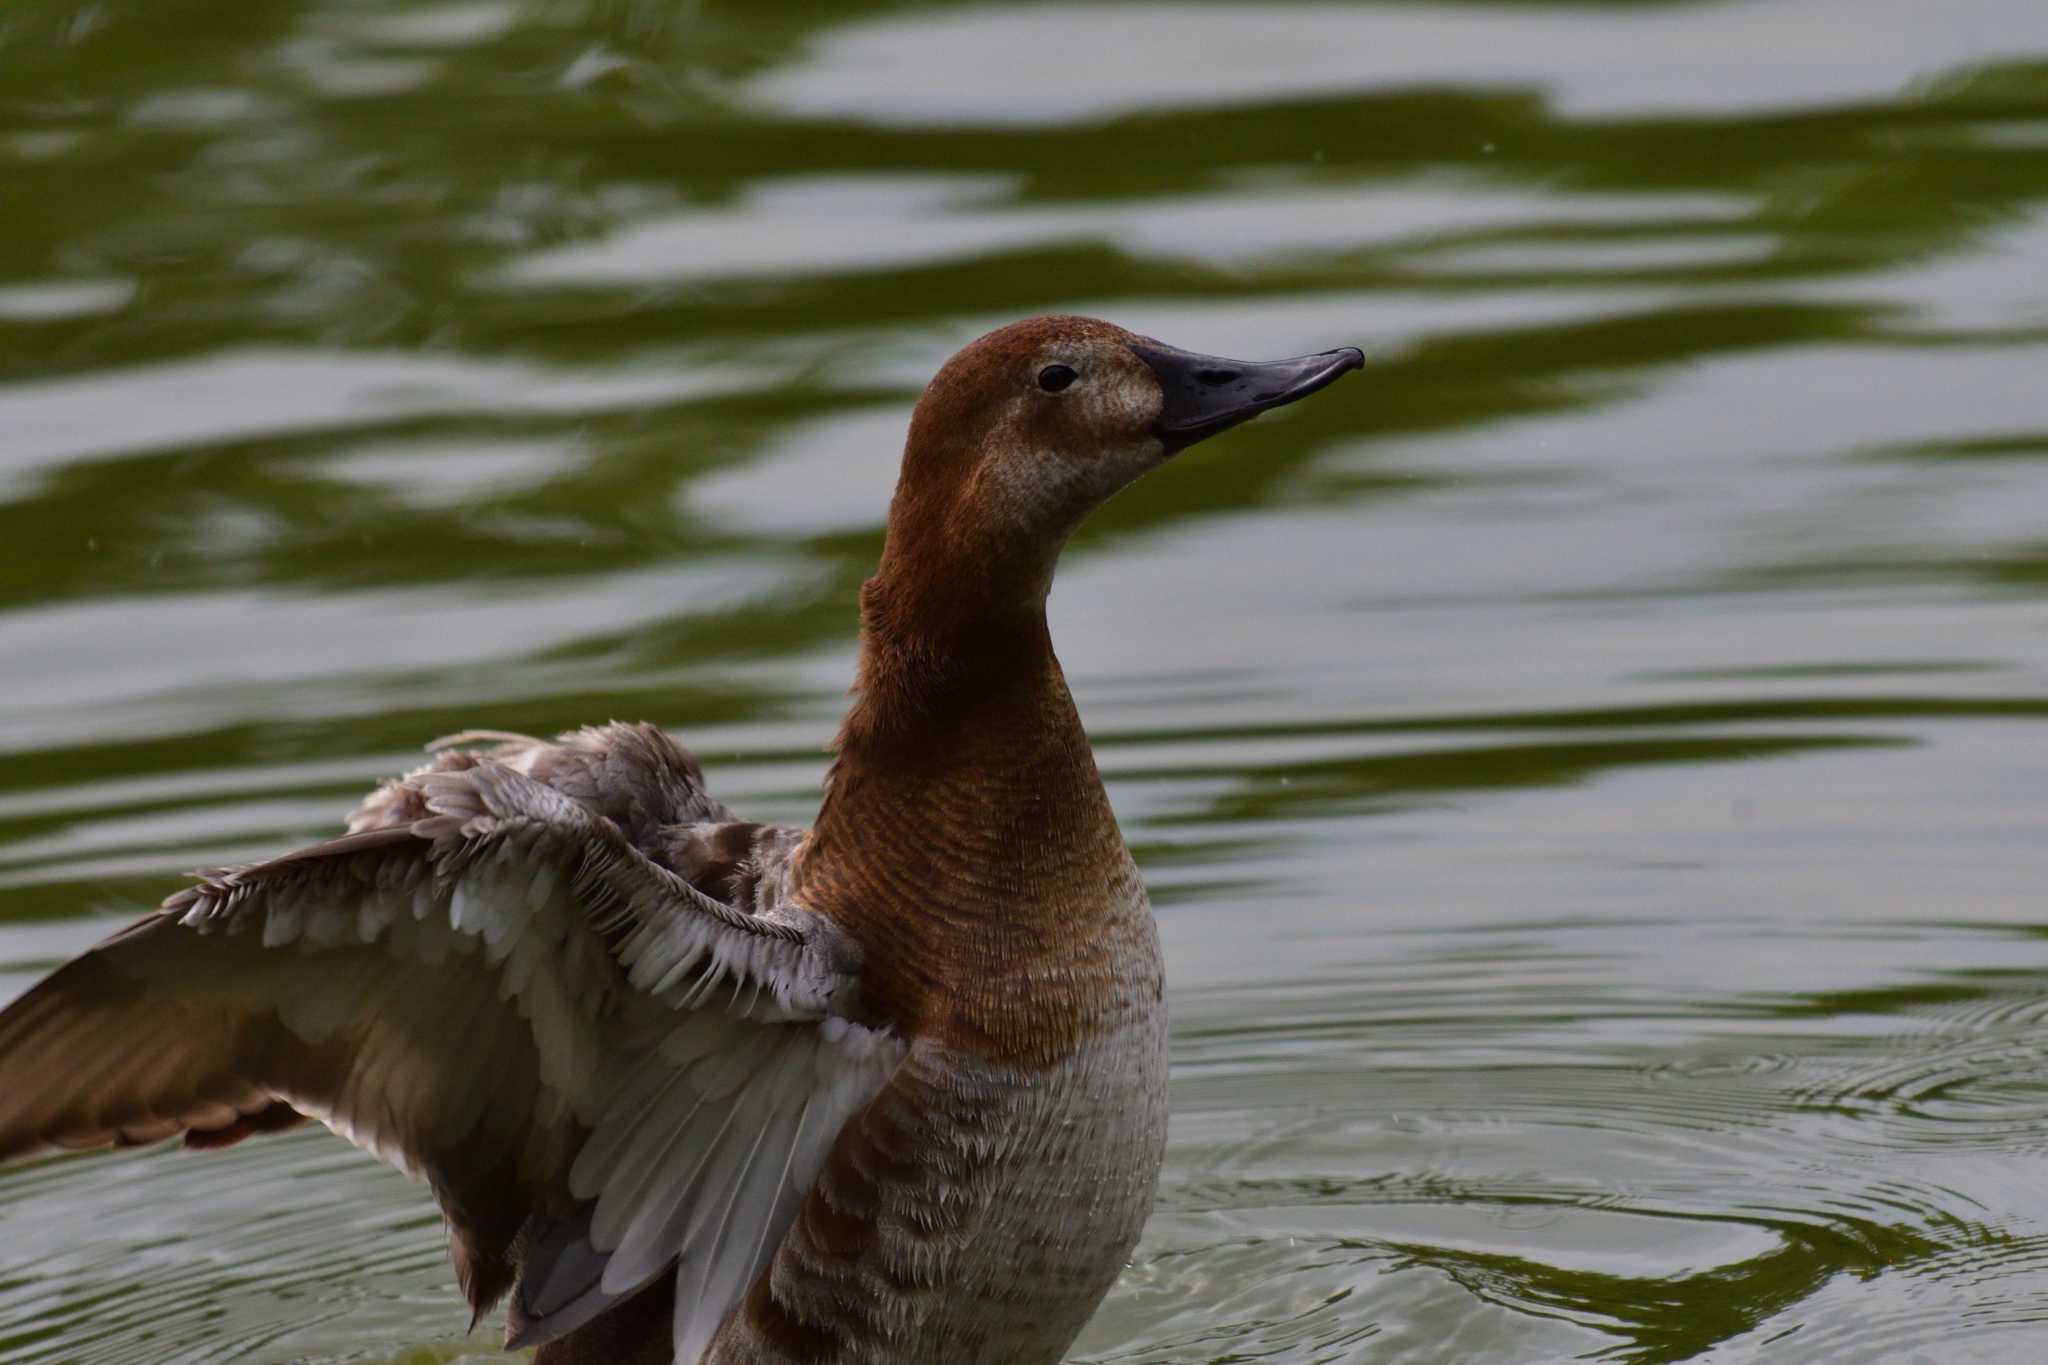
967, 845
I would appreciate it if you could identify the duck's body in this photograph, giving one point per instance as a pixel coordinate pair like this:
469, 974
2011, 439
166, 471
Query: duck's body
889, 1092
980, 1207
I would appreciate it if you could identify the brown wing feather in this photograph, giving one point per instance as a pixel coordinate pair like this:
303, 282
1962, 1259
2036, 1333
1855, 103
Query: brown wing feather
322, 983
100, 1054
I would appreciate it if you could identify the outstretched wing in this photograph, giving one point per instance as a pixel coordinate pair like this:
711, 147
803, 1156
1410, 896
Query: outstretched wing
503, 978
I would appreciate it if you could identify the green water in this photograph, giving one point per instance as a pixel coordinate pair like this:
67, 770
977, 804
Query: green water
1589, 766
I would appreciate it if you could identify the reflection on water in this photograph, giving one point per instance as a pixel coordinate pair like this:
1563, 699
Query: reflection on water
1585, 765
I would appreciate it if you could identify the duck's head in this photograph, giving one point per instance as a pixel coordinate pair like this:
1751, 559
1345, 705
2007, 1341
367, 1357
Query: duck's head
1028, 429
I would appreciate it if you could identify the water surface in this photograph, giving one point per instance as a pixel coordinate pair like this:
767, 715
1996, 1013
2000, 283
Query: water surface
1588, 766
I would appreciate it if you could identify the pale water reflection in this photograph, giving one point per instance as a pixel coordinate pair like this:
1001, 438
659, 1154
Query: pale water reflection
1723, 57
1587, 765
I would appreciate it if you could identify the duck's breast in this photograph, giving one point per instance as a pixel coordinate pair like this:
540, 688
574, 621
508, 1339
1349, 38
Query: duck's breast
976, 1210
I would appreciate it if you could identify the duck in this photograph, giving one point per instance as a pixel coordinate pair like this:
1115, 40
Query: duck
689, 1088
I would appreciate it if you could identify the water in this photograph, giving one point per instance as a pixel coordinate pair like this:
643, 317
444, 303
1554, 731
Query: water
1588, 765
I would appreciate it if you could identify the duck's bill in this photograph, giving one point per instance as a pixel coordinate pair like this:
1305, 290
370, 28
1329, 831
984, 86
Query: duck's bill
1205, 394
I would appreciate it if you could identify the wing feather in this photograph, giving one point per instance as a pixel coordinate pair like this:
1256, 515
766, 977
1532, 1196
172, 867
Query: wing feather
701, 1173
602, 1070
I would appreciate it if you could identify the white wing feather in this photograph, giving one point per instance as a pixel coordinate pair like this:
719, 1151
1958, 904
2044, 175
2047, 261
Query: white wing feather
487, 969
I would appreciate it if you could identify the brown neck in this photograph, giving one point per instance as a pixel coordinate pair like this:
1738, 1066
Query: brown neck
966, 842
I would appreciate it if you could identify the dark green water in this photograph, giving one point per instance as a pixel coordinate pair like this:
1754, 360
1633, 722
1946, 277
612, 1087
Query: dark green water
1590, 767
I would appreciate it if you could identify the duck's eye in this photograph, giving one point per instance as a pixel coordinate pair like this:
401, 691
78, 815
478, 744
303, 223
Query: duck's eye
1053, 378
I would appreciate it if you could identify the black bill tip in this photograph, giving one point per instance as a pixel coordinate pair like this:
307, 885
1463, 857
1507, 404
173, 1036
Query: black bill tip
1204, 394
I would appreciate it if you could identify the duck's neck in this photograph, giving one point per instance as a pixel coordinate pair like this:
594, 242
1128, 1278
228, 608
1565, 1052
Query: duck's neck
966, 841
941, 641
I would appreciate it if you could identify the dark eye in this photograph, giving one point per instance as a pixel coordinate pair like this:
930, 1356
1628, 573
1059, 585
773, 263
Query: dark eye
1053, 378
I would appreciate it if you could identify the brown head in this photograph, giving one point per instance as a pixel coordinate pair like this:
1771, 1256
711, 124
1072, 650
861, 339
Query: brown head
966, 842
1025, 432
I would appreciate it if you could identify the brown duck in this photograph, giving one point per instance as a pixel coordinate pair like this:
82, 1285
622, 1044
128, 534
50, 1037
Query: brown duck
693, 1089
